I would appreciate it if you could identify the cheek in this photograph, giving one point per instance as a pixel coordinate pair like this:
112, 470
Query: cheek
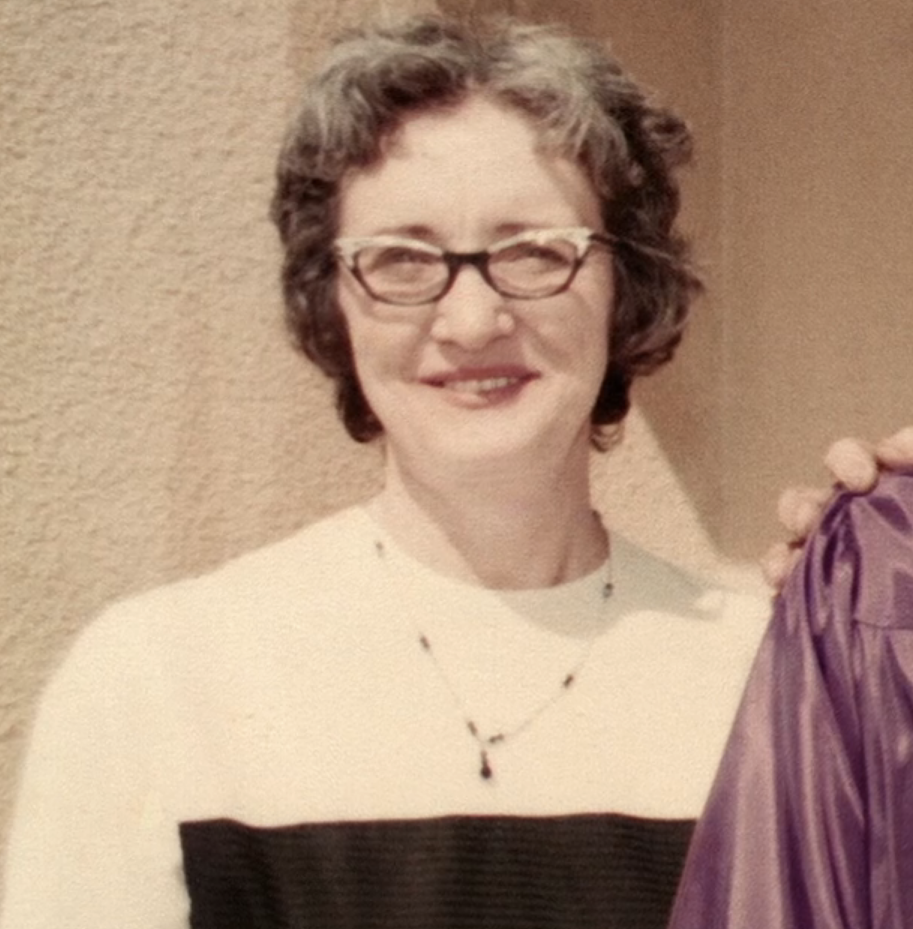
602, 308
355, 307
357, 326
591, 348
382, 349
597, 354
350, 300
595, 316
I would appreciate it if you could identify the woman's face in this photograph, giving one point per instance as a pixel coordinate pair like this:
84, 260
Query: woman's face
476, 376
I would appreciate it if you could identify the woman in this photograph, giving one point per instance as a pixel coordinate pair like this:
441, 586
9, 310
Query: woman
463, 704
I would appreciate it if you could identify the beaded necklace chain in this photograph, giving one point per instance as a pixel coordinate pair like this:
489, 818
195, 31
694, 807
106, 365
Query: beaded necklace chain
487, 743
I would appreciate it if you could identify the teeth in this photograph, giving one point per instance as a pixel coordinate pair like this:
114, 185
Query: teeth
482, 385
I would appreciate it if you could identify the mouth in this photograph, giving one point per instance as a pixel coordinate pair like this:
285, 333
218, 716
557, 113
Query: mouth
482, 386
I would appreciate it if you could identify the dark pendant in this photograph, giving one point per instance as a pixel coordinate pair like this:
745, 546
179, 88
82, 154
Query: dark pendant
485, 770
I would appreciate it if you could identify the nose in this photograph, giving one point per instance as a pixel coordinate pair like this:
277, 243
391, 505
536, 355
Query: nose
471, 314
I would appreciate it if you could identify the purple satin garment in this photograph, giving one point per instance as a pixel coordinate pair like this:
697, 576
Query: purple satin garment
810, 821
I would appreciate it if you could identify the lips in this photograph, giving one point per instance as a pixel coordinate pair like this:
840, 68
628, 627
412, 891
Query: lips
480, 380
484, 384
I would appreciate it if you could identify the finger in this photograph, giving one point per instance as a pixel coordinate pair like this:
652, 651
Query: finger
799, 509
852, 462
897, 450
778, 563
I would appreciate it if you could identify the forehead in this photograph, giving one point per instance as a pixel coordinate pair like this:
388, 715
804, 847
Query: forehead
466, 171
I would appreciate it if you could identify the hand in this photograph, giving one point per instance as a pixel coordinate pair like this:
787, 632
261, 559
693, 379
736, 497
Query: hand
854, 465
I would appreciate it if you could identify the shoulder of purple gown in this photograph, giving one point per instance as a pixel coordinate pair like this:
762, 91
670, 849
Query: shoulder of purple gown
862, 554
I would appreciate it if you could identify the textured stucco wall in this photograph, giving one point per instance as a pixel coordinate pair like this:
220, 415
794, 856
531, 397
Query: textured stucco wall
817, 230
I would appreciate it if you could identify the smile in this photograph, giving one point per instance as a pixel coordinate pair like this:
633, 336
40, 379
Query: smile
482, 385
482, 381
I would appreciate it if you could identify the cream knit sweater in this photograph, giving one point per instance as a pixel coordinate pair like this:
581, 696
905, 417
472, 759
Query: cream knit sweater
290, 686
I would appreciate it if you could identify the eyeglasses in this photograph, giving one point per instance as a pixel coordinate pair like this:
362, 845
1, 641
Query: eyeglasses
534, 264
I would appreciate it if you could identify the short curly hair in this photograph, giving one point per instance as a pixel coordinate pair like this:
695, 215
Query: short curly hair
586, 108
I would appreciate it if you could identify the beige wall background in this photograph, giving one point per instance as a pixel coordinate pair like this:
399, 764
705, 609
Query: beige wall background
153, 420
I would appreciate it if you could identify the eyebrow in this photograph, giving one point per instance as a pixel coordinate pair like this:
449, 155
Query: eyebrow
506, 230
406, 231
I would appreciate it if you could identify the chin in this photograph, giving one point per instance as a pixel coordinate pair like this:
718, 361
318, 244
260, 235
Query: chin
520, 444
525, 430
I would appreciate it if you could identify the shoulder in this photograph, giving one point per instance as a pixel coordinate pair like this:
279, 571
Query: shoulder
886, 510
176, 700
877, 520
680, 625
698, 637
302, 562
248, 600
693, 607
858, 567
673, 671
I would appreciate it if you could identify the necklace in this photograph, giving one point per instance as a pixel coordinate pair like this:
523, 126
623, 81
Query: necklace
488, 742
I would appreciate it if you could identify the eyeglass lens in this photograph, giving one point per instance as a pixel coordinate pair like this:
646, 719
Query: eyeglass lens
405, 275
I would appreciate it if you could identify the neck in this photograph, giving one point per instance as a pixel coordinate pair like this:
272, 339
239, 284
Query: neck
504, 528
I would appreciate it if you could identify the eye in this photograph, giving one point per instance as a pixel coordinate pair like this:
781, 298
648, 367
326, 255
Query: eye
544, 257
396, 260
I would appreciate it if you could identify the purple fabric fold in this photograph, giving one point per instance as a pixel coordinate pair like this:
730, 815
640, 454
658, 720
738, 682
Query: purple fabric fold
810, 821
